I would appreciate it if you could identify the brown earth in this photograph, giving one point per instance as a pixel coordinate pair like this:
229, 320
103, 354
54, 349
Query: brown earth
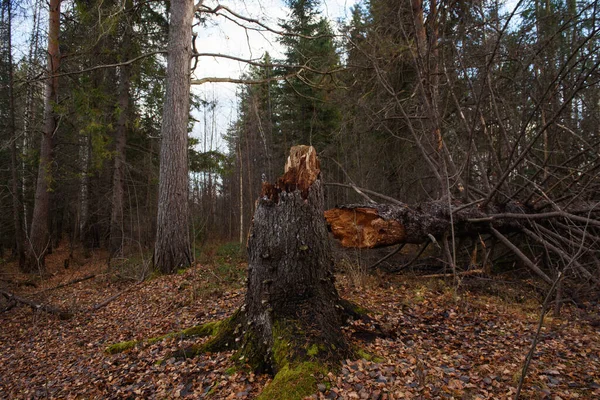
439, 344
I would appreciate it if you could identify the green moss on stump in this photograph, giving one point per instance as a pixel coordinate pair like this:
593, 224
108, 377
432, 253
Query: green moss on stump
299, 367
354, 310
294, 382
208, 329
224, 334
313, 350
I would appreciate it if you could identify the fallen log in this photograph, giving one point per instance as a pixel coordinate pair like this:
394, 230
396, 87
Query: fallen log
378, 225
370, 226
62, 314
107, 301
71, 282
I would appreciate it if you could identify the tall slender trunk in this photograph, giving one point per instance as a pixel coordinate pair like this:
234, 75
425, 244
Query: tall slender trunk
28, 117
13, 147
118, 189
241, 174
39, 236
172, 248
84, 184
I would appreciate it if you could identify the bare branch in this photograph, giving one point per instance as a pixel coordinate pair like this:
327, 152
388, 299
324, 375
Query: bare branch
521, 256
206, 9
242, 81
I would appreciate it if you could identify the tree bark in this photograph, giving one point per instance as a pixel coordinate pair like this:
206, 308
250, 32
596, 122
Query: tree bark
291, 290
370, 226
292, 316
39, 235
83, 201
118, 186
172, 247
378, 225
16, 195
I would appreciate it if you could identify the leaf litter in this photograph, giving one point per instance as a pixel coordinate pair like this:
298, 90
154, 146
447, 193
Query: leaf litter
436, 344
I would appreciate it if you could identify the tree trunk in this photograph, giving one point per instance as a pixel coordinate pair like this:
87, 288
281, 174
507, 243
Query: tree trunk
291, 321
291, 290
378, 225
16, 196
172, 247
118, 189
30, 112
39, 236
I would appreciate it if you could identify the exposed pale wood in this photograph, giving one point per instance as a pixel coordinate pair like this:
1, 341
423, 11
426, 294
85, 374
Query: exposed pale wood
302, 169
364, 228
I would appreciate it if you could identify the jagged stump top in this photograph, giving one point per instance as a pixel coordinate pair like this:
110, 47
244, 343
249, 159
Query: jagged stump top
302, 169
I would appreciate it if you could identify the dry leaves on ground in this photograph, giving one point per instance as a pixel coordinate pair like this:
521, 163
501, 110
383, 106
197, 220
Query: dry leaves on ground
438, 345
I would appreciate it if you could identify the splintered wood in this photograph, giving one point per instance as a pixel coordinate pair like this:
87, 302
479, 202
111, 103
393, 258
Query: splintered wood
301, 170
363, 228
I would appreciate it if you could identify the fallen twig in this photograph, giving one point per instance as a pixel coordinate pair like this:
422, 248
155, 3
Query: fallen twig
537, 335
85, 278
18, 283
62, 314
116, 296
464, 273
387, 256
415, 258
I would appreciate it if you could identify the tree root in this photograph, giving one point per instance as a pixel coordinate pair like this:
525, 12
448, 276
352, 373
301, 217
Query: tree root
203, 330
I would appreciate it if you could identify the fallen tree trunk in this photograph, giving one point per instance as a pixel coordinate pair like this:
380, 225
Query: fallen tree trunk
378, 225
71, 282
464, 273
62, 314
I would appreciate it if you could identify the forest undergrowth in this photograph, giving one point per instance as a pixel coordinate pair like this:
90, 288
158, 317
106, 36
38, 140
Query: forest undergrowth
425, 340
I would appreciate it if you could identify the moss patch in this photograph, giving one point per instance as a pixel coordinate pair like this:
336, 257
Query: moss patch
282, 346
294, 382
224, 333
312, 350
208, 329
363, 354
353, 310
121, 347
231, 370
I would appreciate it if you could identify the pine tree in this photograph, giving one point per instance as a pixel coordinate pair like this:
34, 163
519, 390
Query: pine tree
306, 112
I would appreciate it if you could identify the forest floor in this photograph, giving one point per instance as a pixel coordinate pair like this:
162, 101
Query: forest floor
442, 344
